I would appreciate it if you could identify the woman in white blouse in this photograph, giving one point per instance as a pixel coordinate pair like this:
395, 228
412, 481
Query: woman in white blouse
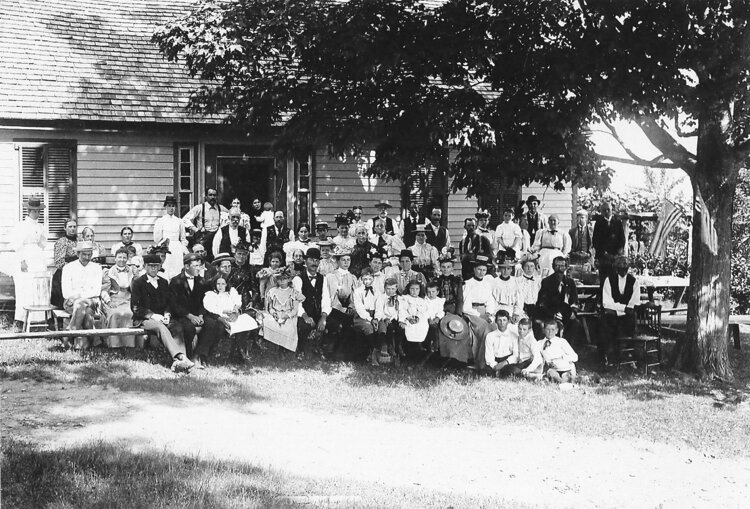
116, 299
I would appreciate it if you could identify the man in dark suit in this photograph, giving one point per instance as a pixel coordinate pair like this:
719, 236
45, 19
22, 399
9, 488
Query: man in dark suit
312, 321
558, 300
277, 234
580, 240
437, 235
150, 302
471, 246
608, 240
186, 291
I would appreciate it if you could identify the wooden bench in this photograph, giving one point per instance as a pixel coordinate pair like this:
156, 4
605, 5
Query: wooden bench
59, 334
678, 317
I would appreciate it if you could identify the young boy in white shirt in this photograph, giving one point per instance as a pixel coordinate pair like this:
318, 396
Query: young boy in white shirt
499, 345
559, 358
526, 352
388, 331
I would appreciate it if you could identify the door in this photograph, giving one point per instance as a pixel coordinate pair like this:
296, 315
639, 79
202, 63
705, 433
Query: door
244, 172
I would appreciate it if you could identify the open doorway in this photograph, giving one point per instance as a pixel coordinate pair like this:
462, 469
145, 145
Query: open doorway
245, 178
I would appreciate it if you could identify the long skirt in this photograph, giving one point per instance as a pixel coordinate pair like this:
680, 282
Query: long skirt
546, 256
284, 335
454, 348
118, 314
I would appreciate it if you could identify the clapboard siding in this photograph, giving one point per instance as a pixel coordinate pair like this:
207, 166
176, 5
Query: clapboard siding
561, 203
459, 208
9, 209
123, 185
339, 185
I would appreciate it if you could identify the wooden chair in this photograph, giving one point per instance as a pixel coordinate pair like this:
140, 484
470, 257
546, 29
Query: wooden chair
646, 337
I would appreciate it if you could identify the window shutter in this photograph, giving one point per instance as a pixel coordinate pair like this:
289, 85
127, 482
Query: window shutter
426, 188
32, 178
499, 196
58, 186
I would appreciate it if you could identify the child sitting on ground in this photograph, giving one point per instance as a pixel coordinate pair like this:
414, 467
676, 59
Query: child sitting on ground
559, 357
526, 353
386, 313
435, 312
499, 345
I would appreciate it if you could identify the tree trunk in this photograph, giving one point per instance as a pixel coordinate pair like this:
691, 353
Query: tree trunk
705, 348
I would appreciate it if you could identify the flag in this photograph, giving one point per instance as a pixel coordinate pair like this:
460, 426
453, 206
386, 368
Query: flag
708, 230
670, 215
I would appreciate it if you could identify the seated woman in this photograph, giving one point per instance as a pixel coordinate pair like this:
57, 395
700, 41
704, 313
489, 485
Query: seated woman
302, 243
267, 275
87, 235
280, 318
115, 304
550, 244
126, 236
224, 318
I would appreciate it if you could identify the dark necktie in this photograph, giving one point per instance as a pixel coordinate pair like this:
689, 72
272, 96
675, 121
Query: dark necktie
392, 301
369, 289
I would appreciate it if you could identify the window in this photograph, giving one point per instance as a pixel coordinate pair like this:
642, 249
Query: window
424, 190
184, 178
303, 188
500, 195
47, 172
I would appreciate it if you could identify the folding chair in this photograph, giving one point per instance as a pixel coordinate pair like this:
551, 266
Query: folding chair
646, 337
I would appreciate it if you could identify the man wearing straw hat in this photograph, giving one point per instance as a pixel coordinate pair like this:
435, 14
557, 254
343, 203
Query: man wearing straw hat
81, 288
391, 226
28, 241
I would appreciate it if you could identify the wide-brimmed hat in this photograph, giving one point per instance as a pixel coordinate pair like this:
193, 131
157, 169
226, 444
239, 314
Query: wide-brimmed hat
313, 252
482, 214
221, 257
341, 251
34, 204
169, 200
420, 228
506, 262
84, 245
151, 259
480, 260
531, 199
454, 327
321, 224
383, 203
325, 243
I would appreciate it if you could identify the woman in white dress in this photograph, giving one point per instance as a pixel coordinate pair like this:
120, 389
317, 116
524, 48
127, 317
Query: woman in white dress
551, 243
28, 241
171, 227
280, 318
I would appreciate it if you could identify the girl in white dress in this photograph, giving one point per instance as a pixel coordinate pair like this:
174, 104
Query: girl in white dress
171, 227
280, 318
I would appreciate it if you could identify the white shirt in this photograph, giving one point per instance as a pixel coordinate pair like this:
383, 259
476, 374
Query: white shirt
608, 301
479, 292
507, 295
557, 355
500, 344
222, 303
526, 348
528, 289
344, 242
325, 298
28, 241
234, 237
545, 239
436, 229
138, 248
364, 302
425, 254
384, 311
80, 281
508, 235
341, 284
435, 307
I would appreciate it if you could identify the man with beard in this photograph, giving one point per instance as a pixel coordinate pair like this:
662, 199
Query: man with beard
608, 240
278, 233
621, 292
228, 236
558, 299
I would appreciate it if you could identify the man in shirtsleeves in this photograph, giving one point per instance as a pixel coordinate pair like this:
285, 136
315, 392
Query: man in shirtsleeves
203, 220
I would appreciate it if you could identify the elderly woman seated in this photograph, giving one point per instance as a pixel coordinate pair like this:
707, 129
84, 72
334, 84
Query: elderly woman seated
87, 235
115, 298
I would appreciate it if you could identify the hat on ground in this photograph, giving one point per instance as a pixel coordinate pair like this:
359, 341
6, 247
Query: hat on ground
313, 252
531, 199
242, 246
482, 214
170, 200
406, 252
222, 257
85, 245
454, 327
191, 257
324, 243
151, 259
34, 204
383, 203
339, 252
420, 228
480, 260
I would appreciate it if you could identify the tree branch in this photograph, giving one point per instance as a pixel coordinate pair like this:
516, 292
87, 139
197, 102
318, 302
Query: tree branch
669, 147
636, 159
681, 133
648, 164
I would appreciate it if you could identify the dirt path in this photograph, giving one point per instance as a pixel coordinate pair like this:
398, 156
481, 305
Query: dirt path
510, 462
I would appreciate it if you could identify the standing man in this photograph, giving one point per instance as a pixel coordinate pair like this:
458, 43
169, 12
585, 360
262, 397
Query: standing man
608, 240
150, 302
278, 233
536, 218
392, 227
471, 246
81, 288
204, 220
186, 291
28, 241
314, 310
581, 240
437, 235
228, 236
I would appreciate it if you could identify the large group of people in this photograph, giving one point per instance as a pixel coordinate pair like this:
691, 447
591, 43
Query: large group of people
362, 295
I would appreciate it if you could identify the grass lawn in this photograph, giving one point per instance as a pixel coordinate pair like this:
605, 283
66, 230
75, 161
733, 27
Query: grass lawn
662, 409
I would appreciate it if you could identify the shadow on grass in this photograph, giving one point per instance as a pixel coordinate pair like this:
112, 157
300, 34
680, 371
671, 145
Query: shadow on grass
110, 475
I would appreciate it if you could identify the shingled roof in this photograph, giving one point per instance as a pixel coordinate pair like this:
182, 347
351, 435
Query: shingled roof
90, 60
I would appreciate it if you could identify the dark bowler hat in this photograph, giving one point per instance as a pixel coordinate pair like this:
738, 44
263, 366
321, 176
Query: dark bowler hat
313, 252
480, 260
151, 259
191, 257
242, 246
34, 204
531, 199
406, 252
170, 200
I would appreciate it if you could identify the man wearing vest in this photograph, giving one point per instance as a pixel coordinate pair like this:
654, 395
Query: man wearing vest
204, 220
313, 312
227, 237
621, 292
437, 235
391, 227
277, 234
